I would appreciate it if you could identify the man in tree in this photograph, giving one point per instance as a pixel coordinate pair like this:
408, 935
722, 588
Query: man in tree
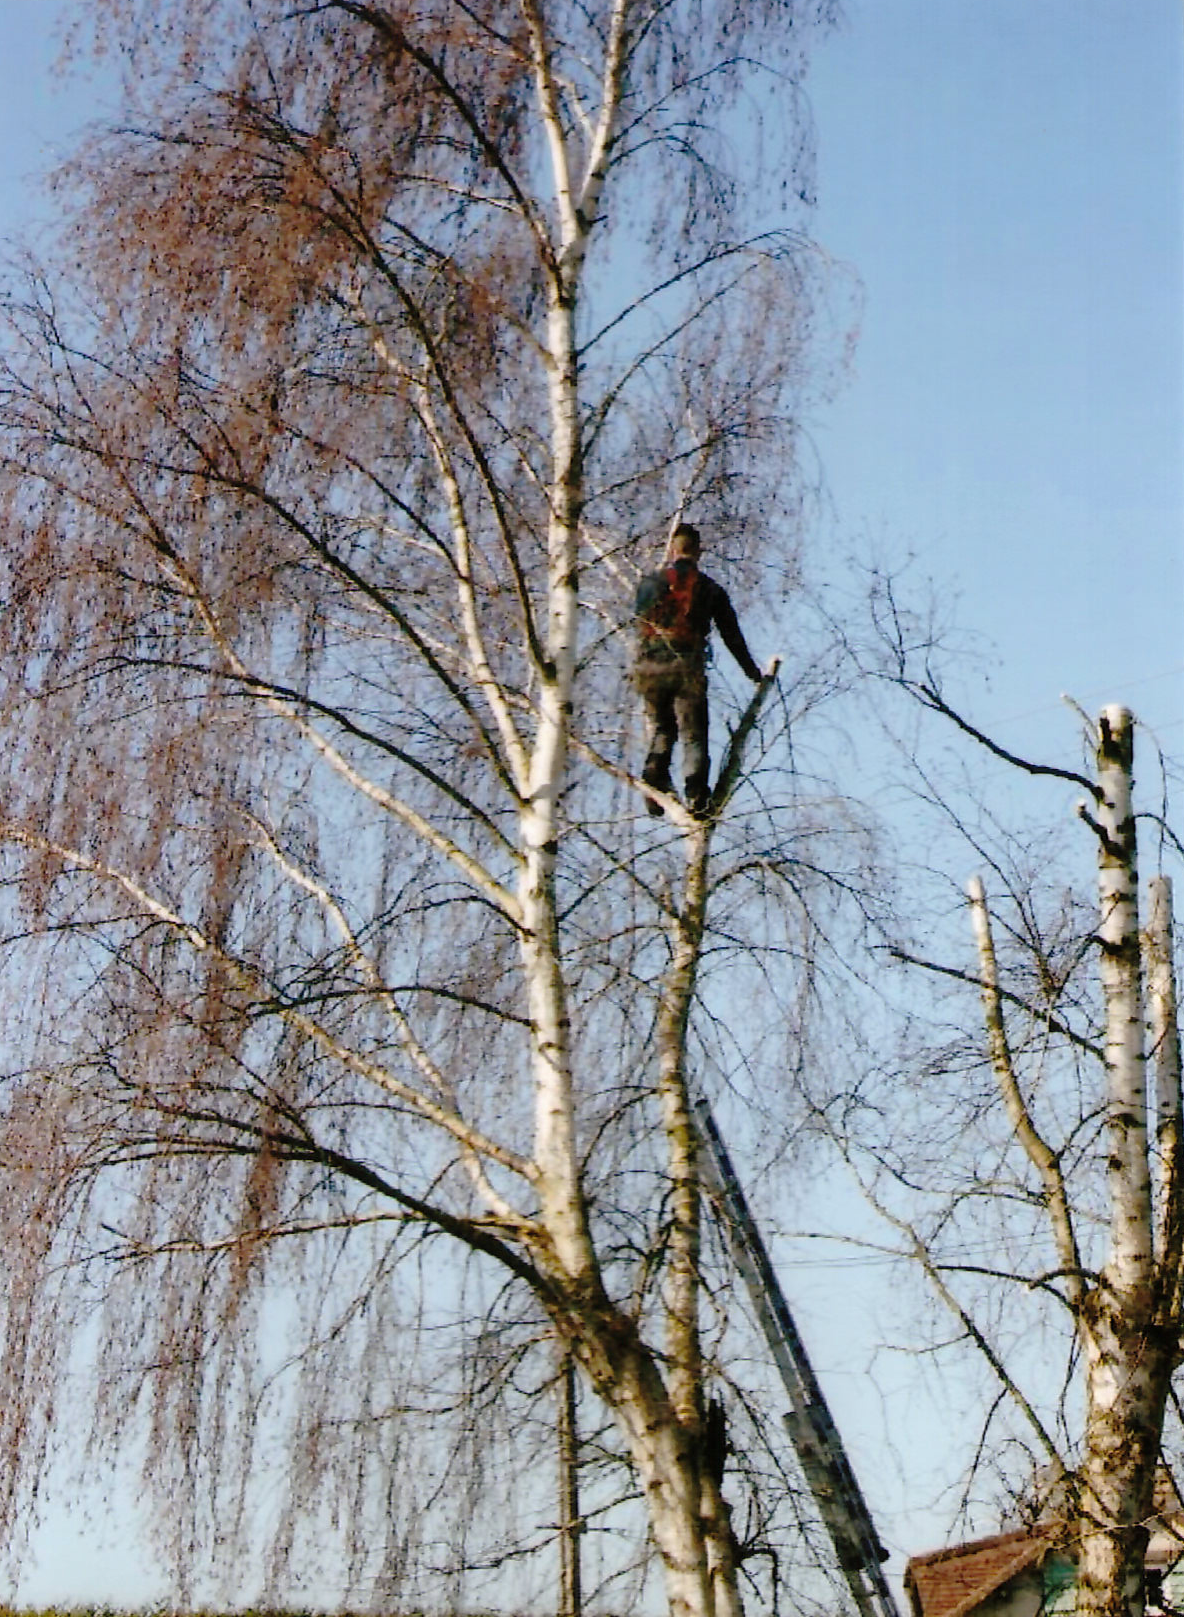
676, 610
311, 531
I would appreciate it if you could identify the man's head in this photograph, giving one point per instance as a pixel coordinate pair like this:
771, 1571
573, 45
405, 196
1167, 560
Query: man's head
684, 543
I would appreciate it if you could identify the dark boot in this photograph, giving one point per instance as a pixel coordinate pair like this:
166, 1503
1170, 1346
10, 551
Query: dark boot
698, 801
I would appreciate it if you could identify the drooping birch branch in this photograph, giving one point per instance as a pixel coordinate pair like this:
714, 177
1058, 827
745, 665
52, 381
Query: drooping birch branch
390, 28
174, 567
928, 694
468, 1137
381, 599
411, 1046
440, 371
1008, 996
300, 701
470, 867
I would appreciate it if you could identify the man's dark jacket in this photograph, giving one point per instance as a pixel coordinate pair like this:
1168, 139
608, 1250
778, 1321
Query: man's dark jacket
710, 607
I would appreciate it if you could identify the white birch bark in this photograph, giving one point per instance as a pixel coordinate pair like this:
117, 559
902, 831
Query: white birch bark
1164, 1021
697, 1561
1127, 1318
1128, 1355
1037, 1149
1122, 988
661, 1421
684, 1374
555, 1145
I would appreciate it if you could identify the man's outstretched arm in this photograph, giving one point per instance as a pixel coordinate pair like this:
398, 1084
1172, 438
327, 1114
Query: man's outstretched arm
724, 617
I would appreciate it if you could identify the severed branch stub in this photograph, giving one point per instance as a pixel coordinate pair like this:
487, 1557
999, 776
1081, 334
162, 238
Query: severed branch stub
734, 756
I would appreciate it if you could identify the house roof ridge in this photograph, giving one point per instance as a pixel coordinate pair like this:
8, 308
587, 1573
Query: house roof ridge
953, 1581
1038, 1532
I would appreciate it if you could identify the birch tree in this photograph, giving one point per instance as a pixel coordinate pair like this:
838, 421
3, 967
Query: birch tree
1051, 1228
369, 375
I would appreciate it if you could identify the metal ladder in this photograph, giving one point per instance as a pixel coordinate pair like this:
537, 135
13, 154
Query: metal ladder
811, 1429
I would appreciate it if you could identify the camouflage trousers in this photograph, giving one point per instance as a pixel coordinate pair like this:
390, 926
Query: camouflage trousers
674, 693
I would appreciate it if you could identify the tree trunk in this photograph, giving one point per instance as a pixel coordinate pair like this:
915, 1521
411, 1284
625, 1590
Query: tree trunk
571, 1599
1129, 1367
660, 1413
1129, 1356
688, 1521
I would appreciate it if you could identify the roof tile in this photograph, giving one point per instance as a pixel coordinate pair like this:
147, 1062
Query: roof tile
952, 1582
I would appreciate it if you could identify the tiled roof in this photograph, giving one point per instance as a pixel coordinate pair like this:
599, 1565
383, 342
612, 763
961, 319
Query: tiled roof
951, 1583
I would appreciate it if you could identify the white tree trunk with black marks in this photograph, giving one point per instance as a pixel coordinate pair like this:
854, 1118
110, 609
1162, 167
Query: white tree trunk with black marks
1130, 1347
1127, 1317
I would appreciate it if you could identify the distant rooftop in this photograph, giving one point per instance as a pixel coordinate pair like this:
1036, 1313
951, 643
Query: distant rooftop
952, 1582
956, 1581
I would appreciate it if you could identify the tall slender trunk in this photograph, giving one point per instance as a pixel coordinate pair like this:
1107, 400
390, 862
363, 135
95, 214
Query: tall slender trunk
659, 1410
685, 1375
720, 1591
571, 1596
1129, 1352
555, 1145
1164, 1022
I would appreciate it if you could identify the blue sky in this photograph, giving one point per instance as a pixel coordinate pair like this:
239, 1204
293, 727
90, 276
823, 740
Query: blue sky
1005, 177
34, 115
